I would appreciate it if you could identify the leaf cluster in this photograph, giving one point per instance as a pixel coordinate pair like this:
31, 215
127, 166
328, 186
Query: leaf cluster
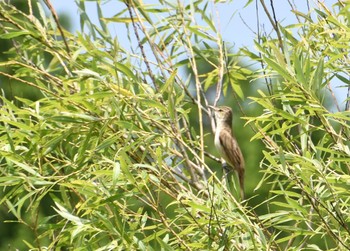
306, 131
106, 157
111, 154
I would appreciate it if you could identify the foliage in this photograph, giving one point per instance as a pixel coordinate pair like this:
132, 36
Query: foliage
307, 159
109, 156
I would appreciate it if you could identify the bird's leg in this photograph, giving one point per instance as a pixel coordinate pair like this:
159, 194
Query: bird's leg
226, 170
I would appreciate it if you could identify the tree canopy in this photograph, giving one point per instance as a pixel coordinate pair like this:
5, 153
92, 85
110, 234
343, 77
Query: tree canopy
110, 147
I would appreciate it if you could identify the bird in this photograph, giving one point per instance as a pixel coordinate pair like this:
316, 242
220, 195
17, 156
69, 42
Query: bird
227, 145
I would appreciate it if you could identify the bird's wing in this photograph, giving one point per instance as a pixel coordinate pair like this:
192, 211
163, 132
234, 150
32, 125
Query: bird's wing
233, 154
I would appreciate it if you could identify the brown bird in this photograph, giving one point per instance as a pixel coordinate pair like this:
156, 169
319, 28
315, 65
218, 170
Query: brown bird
227, 145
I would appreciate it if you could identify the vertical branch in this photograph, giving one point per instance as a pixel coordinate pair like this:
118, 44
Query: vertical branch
220, 70
221, 66
200, 114
55, 17
268, 82
219, 83
127, 3
273, 21
335, 101
134, 14
192, 60
347, 104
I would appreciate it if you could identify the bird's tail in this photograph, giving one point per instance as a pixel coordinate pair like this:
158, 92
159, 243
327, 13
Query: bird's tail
240, 173
229, 173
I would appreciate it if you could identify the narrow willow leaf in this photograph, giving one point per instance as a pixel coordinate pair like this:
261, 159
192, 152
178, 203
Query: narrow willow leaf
125, 165
301, 14
140, 7
65, 214
279, 69
237, 89
168, 83
12, 35
19, 125
318, 75
270, 158
10, 181
197, 30
126, 70
100, 17
126, 125
343, 79
209, 21
106, 143
116, 172
120, 20
201, 208
289, 35
152, 103
160, 232
121, 90
51, 145
164, 244
65, 119
23, 200
26, 167
299, 69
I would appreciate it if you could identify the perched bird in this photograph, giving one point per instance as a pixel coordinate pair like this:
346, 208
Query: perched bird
227, 145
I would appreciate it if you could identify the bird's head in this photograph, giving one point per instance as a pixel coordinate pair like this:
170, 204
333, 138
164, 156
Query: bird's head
222, 113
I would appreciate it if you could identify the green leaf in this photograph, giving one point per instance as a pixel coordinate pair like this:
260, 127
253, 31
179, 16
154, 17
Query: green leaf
106, 143
120, 19
65, 214
68, 117
279, 69
317, 79
126, 125
33, 170
197, 30
12, 35
126, 70
299, 69
125, 164
237, 89
169, 83
152, 103
87, 73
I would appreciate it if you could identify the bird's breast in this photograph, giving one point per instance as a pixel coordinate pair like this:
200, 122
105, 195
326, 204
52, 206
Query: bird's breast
218, 144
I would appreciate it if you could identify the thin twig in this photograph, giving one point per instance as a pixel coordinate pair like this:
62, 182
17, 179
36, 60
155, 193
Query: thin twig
192, 60
128, 3
335, 101
55, 17
347, 104
10, 76
273, 21
267, 82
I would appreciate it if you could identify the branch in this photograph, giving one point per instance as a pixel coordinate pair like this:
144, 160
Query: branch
55, 17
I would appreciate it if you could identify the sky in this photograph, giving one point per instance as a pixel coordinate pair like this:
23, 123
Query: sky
231, 14
237, 22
